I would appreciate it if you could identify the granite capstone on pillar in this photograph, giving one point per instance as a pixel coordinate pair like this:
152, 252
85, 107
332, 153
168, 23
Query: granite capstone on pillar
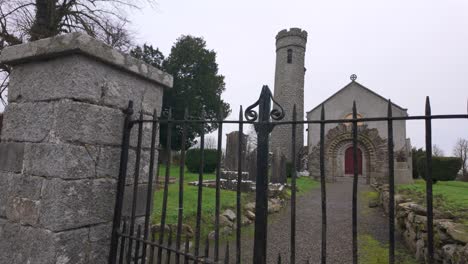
60, 146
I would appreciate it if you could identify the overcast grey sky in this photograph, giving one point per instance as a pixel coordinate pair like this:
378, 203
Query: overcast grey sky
401, 49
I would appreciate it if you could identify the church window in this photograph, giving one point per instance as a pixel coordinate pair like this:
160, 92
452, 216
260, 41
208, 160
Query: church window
290, 55
350, 116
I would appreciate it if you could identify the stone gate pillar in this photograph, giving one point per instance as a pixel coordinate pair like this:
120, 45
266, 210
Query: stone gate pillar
60, 146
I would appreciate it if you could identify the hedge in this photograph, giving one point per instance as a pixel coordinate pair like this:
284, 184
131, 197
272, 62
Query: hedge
192, 160
443, 168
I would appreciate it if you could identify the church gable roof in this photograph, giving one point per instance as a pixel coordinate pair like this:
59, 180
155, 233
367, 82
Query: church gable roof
361, 87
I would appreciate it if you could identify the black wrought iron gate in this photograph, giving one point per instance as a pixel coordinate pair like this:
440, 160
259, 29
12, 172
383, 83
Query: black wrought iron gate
133, 241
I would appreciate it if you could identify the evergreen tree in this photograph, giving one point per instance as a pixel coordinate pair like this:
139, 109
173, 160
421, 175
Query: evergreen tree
416, 155
148, 54
197, 86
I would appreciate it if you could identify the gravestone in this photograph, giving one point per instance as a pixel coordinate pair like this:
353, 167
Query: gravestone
252, 165
303, 159
60, 146
232, 151
278, 168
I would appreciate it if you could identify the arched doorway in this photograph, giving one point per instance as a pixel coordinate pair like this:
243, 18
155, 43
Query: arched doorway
349, 164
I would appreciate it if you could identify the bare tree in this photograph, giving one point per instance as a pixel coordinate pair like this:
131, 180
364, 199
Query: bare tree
27, 20
210, 142
461, 151
436, 151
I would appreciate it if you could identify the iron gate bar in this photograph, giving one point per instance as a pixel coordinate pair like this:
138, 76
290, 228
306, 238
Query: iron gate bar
323, 189
263, 127
200, 189
180, 213
121, 184
189, 256
374, 119
136, 177
238, 190
207, 248
149, 194
226, 254
169, 245
152, 247
122, 243
162, 225
261, 190
293, 188
430, 227
218, 180
391, 180
158, 167
329, 121
186, 250
137, 245
355, 184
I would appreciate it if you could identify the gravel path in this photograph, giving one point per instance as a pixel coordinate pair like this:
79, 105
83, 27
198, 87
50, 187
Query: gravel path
308, 245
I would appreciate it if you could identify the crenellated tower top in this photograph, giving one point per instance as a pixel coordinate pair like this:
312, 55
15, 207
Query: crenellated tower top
291, 37
292, 32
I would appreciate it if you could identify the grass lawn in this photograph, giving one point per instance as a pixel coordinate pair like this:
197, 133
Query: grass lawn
448, 196
304, 185
372, 251
228, 200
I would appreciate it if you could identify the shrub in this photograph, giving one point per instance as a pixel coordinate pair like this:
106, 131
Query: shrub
289, 169
443, 168
417, 154
192, 160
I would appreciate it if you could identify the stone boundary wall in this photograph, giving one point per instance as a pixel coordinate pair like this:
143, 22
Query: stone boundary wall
450, 238
61, 143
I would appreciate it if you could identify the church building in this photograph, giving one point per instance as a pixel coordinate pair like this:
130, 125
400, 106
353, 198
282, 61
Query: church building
372, 136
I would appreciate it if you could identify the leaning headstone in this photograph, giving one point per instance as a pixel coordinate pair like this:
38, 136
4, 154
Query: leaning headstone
232, 151
61, 144
252, 165
278, 168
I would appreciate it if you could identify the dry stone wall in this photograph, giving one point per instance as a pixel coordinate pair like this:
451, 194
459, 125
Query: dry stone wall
60, 146
450, 238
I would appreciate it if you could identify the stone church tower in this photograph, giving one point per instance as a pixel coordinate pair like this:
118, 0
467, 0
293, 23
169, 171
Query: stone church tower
289, 87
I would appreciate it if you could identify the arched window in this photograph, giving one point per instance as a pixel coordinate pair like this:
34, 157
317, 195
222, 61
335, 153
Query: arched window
289, 55
350, 116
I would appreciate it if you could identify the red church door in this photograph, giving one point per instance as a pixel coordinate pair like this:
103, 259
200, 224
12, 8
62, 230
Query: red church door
349, 165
